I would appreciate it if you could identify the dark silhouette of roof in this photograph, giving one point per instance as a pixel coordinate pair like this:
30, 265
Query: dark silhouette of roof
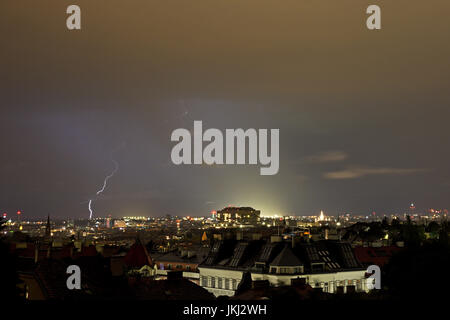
88, 251
286, 258
175, 256
170, 289
300, 291
228, 209
138, 256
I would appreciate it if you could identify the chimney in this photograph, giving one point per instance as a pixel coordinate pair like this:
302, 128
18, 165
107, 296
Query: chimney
260, 284
174, 275
36, 252
298, 282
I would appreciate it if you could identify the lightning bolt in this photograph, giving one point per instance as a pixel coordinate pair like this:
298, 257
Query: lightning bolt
116, 167
105, 182
90, 209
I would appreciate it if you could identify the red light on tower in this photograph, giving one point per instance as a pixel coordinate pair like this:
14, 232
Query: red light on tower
4, 215
19, 212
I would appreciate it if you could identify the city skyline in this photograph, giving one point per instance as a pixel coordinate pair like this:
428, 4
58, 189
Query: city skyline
407, 211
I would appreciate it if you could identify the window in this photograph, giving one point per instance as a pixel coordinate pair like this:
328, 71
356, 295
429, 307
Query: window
204, 281
234, 281
288, 270
188, 268
179, 266
169, 267
27, 292
219, 283
213, 282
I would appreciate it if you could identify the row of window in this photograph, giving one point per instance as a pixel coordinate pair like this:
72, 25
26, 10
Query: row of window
339, 285
177, 267
218, 282
286, 270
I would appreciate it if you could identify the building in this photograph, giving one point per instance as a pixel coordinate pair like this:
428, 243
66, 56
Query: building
329, 266
120, 224
238, 215
48, 228
184, 259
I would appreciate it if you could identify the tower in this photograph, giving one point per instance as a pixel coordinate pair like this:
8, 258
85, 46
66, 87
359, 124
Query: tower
48, 230
412, 209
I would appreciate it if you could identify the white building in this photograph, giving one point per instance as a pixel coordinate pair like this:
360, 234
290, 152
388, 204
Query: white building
328, 265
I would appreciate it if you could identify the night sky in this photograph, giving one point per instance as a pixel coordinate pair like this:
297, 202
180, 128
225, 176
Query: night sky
363, 115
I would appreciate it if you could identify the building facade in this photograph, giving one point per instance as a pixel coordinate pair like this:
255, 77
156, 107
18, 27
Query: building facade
239, 215
328, 265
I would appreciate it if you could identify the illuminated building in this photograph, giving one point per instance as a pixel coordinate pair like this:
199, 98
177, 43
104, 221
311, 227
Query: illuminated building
321, 216
327, 265
241, 215
120, 224
412, 209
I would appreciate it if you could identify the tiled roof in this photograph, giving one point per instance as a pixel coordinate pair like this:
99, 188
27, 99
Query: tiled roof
379, 256
137, 256
256, 255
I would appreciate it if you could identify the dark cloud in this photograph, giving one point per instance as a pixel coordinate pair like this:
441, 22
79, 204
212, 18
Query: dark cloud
72, 101
358, 172
328, 156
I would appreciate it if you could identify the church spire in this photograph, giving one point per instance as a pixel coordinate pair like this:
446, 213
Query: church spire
48, 227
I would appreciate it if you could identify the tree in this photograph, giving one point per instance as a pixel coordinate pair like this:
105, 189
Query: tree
418, 271
150, 246
395, 231
412, 234
433, 226
443, 234
385, 223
